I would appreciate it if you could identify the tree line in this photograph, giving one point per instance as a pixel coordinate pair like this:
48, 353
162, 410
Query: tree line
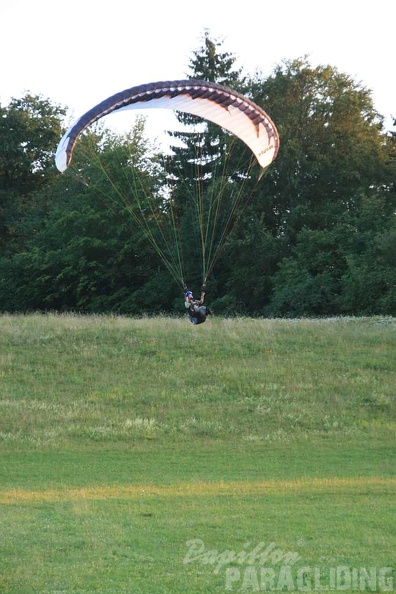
317, 236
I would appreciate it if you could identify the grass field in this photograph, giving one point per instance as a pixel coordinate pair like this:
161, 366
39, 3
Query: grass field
153, 456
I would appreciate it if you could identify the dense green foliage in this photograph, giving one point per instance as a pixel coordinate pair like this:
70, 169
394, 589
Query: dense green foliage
316, 235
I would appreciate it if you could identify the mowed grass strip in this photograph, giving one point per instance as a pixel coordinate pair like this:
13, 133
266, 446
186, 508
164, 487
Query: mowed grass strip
316, 485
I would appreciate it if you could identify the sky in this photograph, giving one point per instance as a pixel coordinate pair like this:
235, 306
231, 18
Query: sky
78, 52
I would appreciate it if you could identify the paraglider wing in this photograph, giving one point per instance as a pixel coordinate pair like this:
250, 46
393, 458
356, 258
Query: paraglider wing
225, 107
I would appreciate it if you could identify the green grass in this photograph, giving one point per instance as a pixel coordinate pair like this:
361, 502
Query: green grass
123, 439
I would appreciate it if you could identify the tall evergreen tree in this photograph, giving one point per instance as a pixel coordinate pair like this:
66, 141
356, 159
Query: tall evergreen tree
203, 164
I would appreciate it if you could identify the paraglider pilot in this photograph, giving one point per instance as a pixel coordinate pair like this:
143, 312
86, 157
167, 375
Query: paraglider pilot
195, 309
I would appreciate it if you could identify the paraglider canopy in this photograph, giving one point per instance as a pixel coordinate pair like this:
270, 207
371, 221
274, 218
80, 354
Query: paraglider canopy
225, 107
211, 212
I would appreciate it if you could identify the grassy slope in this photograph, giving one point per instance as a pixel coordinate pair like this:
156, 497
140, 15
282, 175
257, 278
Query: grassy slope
122, 439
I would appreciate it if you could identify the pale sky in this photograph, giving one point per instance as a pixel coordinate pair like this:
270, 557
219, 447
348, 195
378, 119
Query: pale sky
77, 52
